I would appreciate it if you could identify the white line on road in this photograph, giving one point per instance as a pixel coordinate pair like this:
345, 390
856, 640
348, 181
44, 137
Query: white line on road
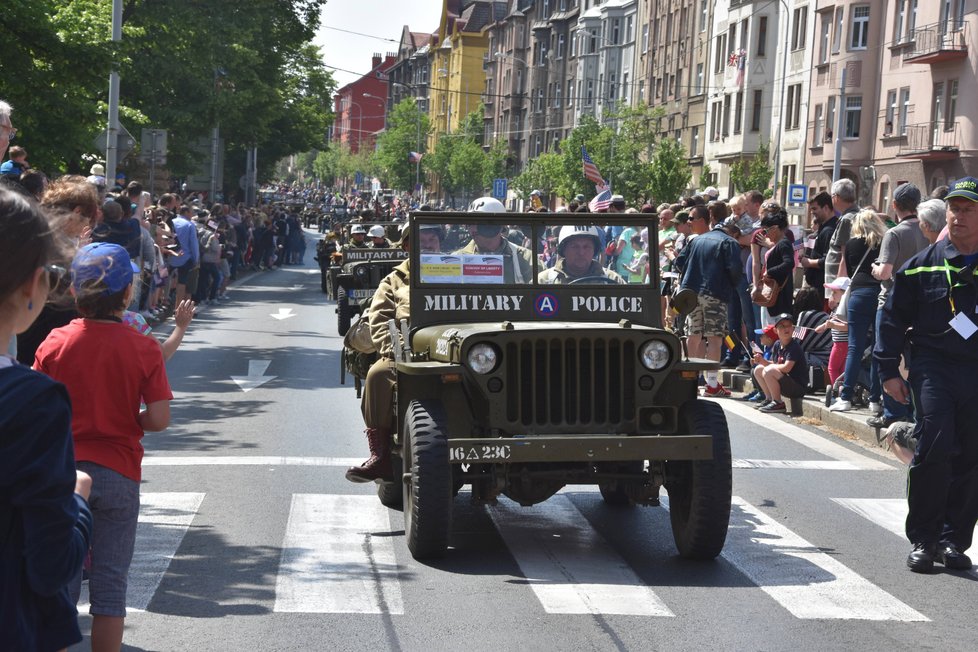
569, 566
248, 460
804, 580
816, 465
163, 522
888, 513
338, 557
810, 440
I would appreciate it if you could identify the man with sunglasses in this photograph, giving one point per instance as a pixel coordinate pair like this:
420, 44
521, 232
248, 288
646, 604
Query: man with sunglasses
932, 306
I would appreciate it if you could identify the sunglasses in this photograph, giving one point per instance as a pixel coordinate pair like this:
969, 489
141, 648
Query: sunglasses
55, 274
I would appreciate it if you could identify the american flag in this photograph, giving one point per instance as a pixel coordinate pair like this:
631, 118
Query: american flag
415, 157
601, 201
590, 169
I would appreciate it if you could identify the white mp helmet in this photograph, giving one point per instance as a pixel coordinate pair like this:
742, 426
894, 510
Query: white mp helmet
357, 228
486, 205
377, 231
575, 231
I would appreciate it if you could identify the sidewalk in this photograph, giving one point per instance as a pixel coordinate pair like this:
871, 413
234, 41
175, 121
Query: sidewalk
852, 423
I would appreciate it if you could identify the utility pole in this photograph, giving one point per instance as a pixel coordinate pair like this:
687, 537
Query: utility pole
111, 143
837, 159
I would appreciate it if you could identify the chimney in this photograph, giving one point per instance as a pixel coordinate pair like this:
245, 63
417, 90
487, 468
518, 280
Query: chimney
376, 60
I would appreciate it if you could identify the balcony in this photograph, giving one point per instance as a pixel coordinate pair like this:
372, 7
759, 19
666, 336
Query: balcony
937, 43
931, 141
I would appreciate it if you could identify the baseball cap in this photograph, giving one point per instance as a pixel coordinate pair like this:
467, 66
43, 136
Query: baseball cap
966, 187
783, 317
767, 331
907, 193
680, 218
840, 283
102, 266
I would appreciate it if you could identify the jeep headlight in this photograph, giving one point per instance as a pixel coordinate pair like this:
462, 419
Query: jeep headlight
361, 272
483, 358
655, 355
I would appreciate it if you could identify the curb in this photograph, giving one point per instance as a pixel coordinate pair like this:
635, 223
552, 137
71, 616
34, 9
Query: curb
852, 423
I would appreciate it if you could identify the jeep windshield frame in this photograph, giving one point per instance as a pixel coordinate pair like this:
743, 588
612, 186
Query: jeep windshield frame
466, 300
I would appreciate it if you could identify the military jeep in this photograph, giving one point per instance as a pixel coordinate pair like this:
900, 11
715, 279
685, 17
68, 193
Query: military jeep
523, 388
356, 273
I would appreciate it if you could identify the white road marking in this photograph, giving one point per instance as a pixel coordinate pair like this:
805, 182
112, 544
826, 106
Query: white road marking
807, 582
338, 557
283, 313
256, 375
164, 519
808, 439
248, 460
569, 566
888, 513
817, 465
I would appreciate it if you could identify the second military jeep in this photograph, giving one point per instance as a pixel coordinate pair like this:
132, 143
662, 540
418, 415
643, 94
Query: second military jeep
521, 388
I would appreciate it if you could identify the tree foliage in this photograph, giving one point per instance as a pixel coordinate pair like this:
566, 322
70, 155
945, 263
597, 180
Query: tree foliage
407, 131
670, 170
754, 173
184, 66
544, 173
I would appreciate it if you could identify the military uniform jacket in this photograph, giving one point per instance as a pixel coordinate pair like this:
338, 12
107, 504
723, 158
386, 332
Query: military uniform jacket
928, 291
557, 275
392, 300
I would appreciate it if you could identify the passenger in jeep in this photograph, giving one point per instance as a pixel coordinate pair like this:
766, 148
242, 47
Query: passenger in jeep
488, 239
391, 301
577, 248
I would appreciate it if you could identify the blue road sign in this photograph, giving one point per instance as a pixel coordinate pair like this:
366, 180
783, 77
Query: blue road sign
358, 179
499, 188
797, 194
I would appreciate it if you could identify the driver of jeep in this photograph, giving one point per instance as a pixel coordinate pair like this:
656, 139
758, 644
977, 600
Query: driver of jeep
488, 239
357, 235
577, 248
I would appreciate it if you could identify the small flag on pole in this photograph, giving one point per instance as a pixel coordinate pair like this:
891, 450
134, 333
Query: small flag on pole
415, 157
729, 341
601, 201
591, 172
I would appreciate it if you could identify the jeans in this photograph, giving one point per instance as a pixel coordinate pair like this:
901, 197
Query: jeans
862, 309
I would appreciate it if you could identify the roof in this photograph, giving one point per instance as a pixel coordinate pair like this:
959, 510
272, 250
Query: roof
476, 16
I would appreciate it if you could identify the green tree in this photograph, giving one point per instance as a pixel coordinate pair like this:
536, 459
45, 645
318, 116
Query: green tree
597, 138
407, 131
754, 173
670, 173
544, 173
466, 168
630, 167
495, 163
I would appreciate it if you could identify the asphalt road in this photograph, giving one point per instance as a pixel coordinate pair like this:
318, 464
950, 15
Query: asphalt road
250, 537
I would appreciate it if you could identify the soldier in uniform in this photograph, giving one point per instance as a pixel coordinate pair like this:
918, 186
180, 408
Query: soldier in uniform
392, 300
488, 239
577, 249
358, 237
932, 305
378, 238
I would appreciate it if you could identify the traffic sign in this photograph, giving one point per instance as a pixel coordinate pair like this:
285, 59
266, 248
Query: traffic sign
797, 194
124, 142
153, 146
499, 188
358, 179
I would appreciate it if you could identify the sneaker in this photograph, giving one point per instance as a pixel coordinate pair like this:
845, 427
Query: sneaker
751, 396
760, 399
840, 405
763, 403
775, 406
875, 408
716, 392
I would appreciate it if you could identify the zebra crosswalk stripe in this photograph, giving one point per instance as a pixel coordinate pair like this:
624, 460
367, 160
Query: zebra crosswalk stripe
331, 560
569, 566
888, 513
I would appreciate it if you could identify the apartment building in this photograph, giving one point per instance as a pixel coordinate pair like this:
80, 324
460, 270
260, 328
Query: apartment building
792, 79
408, 76
671, 59
605, 56
360, 106
741, 83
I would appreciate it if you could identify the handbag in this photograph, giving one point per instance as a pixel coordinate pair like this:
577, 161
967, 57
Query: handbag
358, 337
765, 292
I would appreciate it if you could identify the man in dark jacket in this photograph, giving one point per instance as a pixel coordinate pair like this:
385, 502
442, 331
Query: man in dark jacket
824, 222
932, 304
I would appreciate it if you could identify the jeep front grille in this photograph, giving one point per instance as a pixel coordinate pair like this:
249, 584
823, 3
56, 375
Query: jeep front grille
587, 382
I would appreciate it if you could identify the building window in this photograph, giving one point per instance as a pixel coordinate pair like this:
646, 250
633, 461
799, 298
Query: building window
720, 55
817, 131
859, 36
615, 31
762, 36
793, 107
854, 111
557, 92
592, 41
823, 37
699, 78
912, 22
645, 37
732, 35
738, 112
573, 36
726, 115
694, 142
679, 84
744, 24
641, 90
560, 46
952, 104
904, 110
570, 92
755, 118
799, 28
938, 114
837, 34
629, 29
703, 15
891, 113
899, 16
715, 121
830, 119
589, 98
624, 88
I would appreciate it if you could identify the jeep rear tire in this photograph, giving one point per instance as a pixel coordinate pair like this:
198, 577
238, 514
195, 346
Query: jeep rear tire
344, 314
700, 490
428, 492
